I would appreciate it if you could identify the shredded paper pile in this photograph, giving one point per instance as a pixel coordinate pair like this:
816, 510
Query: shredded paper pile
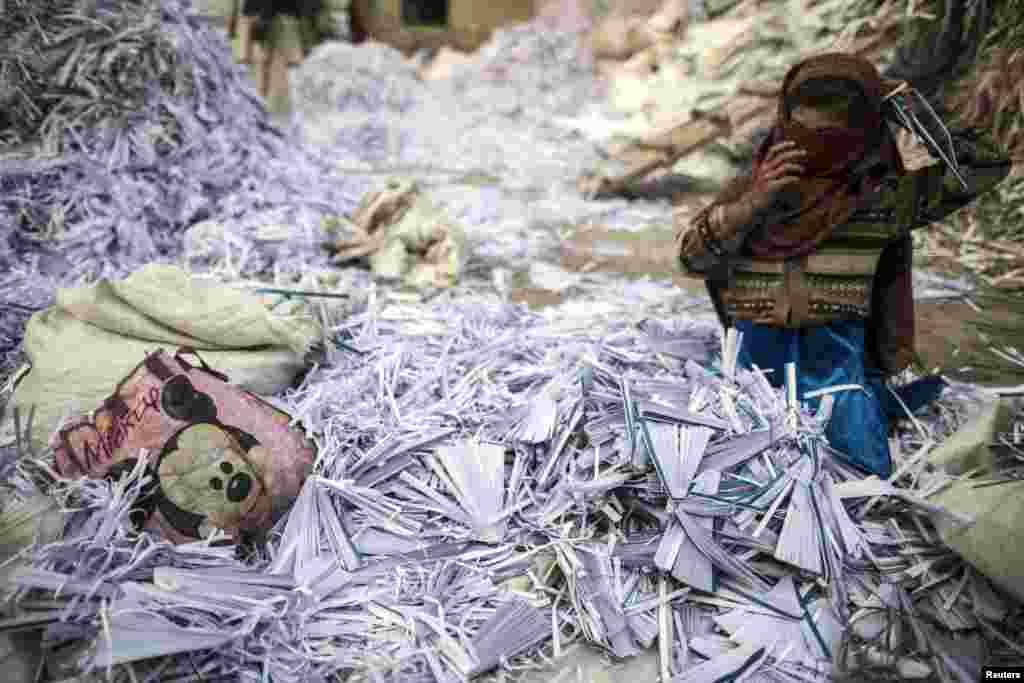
109, 172
492, 488
99, 178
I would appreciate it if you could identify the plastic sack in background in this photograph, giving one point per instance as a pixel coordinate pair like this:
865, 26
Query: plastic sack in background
218, 457
404, 236
96, 334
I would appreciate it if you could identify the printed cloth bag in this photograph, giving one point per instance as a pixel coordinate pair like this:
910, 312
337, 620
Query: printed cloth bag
218, 457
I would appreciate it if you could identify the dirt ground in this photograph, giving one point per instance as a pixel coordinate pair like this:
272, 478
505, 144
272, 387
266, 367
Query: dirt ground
946, 339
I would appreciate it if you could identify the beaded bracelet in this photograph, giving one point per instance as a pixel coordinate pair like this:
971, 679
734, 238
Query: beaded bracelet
703, 225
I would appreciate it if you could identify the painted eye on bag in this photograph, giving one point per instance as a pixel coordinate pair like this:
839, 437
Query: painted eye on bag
175, 397
180, 400
239, 487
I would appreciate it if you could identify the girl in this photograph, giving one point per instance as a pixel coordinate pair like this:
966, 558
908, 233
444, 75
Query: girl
810, 255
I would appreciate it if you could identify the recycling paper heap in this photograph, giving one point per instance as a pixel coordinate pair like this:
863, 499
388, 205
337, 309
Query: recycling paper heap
493, 486
491, 483
97, 186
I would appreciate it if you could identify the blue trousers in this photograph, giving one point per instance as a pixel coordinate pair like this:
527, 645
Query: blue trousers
832, 354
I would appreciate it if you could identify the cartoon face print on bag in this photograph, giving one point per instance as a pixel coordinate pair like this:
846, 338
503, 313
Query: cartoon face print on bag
211, 475
208, 473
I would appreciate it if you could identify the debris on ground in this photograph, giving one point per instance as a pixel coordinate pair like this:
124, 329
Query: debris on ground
403, 236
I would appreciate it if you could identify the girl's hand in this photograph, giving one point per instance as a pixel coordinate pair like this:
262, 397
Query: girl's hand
781, 168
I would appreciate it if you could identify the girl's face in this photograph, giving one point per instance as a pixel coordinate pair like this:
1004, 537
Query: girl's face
831, 145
